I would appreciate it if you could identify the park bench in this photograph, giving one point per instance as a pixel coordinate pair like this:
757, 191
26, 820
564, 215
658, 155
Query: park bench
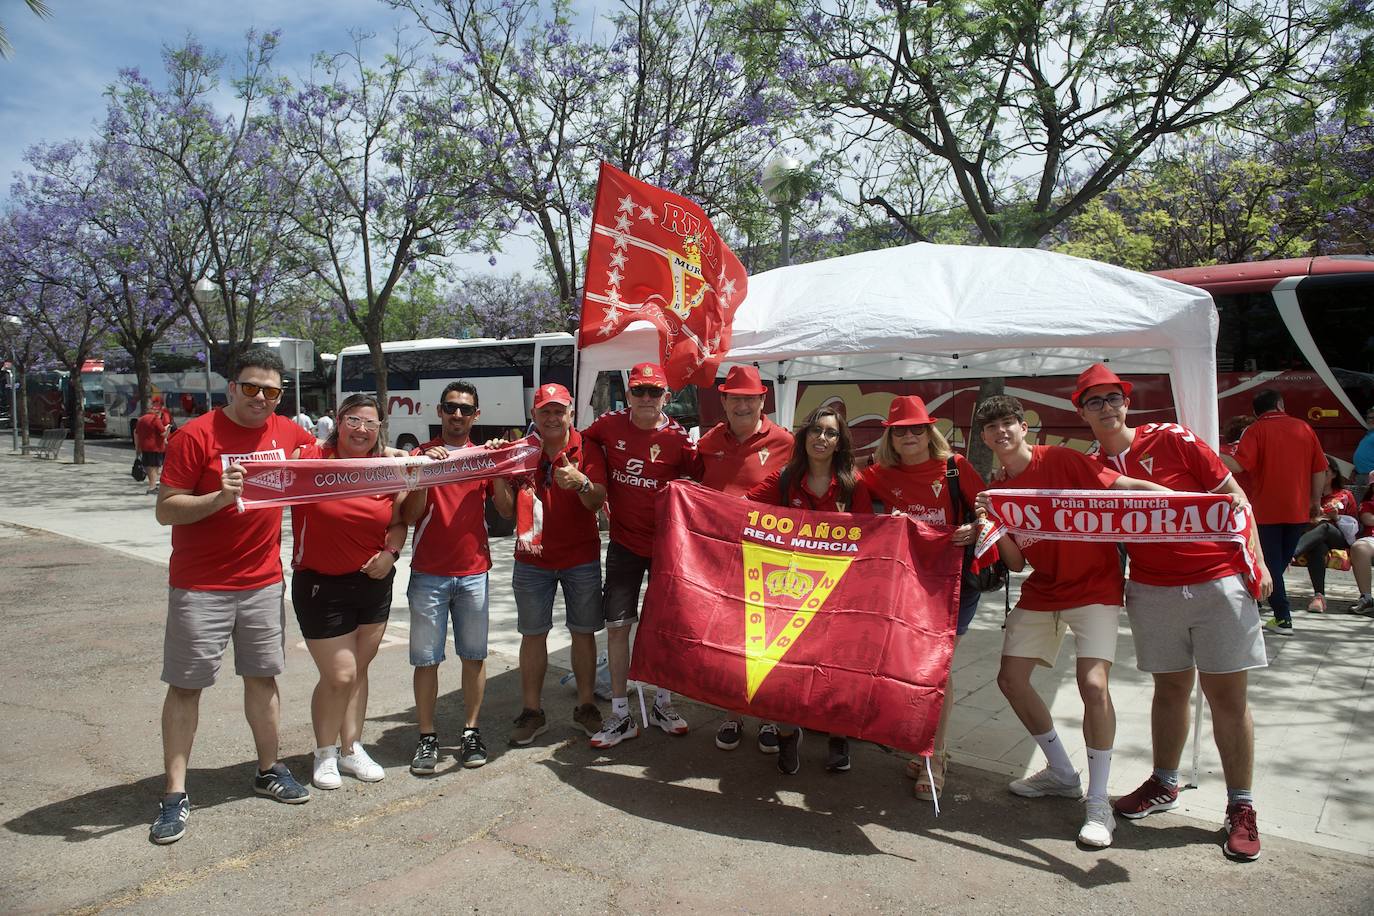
50, 446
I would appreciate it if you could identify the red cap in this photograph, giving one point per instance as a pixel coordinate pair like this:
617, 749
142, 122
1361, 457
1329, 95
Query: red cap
648, 374
1098, 374
742, 380
552, 394
907, 410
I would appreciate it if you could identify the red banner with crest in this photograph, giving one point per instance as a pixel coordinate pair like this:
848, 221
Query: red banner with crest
836, 622
654, 256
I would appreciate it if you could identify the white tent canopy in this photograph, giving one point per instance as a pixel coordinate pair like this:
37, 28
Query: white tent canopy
941, 311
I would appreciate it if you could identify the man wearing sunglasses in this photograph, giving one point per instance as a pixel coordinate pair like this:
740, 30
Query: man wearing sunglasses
449, 561
1189, 607
225, 579
644, 449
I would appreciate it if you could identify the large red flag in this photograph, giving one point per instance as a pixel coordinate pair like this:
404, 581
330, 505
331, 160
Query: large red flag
841, 623
655, 256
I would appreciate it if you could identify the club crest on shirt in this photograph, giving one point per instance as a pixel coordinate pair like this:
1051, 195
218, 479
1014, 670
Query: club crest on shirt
763, 456
936, 486
1148, 463
620, 445
653, 453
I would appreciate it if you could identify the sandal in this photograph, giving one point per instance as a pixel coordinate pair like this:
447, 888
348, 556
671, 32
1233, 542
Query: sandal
939, 766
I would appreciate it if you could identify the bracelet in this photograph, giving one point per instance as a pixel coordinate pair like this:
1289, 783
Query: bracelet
395, 554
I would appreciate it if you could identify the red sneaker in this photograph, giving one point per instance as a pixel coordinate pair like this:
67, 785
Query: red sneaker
1242, 833
1153, 795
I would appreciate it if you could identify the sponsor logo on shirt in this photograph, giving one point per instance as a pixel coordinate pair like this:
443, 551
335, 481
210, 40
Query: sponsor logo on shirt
620, 444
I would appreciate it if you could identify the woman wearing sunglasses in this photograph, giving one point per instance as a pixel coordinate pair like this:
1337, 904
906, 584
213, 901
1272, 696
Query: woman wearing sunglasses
911, 475
819, 476
344, 557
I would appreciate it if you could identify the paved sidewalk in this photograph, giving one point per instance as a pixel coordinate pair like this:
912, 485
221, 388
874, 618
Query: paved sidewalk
1312, 712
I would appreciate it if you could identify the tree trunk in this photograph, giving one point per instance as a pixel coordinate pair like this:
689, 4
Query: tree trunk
143, 361
23, 413
78, 415
374, 347
979, 455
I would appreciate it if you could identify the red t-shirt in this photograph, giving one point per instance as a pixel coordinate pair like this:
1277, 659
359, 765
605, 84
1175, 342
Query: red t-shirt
800, 497
920, 490
150, 432
735, 467
638, 464
228, 550
1366, 508
451, 537
1340, 501
1173, 456
1281, 453
1066, 574
570, 536
338, 536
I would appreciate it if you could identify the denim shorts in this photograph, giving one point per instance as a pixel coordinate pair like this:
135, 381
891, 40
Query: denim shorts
968, 608
433, 600
535, 589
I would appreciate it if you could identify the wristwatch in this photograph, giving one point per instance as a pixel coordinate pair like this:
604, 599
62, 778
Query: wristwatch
586, 485
395, 554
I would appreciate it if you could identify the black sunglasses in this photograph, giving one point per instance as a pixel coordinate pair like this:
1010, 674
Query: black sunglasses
453, 407
645, 391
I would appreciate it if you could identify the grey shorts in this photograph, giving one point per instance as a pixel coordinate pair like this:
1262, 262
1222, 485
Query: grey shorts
1212, 626
201, 623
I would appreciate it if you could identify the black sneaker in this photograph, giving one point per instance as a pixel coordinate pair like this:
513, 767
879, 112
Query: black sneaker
837, 757
728, 735
474, 752
789, 753
768, 738
426, 756
278, 783
170, 825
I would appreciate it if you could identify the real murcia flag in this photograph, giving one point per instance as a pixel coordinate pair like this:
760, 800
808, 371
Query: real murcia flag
654, 256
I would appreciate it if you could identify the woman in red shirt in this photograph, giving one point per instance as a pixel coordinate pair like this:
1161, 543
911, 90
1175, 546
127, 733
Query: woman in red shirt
911, 474
820, 476
1326, 535
344, 558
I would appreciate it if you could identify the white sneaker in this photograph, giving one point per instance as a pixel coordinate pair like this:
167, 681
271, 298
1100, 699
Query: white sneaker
667, 718
325, 774
1047, 782
360, 766
615, 729
1099, 824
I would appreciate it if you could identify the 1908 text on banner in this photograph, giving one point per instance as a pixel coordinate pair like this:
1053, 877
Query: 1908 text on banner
837, 622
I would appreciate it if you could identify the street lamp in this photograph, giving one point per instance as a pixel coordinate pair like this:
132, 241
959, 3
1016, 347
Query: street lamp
206, 293
16, 324
783, 179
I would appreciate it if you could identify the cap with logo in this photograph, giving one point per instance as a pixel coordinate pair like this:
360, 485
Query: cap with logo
552, 393
1097, 374
742, 380
907, 410
648, 374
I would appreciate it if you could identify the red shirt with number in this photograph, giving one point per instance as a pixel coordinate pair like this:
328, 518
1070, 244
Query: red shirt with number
227, 550
1173, 456
336, 537
569, 534
800, 497
1066, 574
451, 537
1281, 453
922, 491
639, 462
735, 467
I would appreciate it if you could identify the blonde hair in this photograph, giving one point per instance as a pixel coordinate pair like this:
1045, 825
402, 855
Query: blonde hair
887, 456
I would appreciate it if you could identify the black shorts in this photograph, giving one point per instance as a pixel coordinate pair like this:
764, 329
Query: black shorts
625, 571
329, 606
151, 459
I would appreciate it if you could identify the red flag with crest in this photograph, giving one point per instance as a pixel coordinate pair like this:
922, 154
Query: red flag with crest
654, 256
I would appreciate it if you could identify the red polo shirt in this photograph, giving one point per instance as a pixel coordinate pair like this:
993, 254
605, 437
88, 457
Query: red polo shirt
1281, 453
639, 462
451, 537
570, 536
735, 467
338, 536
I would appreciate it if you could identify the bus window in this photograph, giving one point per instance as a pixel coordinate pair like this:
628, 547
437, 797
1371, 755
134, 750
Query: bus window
608, 393
1340, 318
1251, 338
556, 364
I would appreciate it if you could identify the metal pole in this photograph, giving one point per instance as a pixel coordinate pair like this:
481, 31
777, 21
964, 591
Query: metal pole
296, 358
14, 398
786, 234
207, 377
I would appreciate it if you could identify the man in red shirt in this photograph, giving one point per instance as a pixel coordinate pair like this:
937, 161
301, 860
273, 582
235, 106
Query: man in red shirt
449, 561
557, 541
1287, 465
734, 457
644, 449
150, 438
226, 580
1190, 610
1075, 586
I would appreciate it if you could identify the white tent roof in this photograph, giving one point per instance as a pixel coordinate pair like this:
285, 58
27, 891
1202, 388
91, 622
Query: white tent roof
942, 311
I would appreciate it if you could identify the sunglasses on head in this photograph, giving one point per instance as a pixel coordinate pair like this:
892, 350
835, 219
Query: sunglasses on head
453, 407
270, 392
646, 391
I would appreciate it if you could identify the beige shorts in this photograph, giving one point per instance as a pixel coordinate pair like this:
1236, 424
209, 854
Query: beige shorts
200, 625
1038, 634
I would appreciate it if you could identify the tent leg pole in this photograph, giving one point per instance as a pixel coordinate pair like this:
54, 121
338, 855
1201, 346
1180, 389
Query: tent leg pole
1197, 729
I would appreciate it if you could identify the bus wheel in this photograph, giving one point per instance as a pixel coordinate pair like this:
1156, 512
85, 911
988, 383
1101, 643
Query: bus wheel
407, 442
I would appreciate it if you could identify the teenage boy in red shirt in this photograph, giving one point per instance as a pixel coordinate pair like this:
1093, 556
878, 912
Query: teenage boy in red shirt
225, 580
735, 456
1190, 610
644, 449
562, 547
1074, 586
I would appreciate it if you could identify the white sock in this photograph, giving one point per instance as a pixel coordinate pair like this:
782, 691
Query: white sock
1099, 768
1054, 752
620, 706
663, 698
327, 751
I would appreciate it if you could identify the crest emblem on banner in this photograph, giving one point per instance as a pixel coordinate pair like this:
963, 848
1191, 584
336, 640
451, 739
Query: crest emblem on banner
779, 583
